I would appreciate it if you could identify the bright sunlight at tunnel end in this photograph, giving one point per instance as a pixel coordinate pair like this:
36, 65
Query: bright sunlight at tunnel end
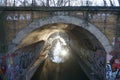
59, 50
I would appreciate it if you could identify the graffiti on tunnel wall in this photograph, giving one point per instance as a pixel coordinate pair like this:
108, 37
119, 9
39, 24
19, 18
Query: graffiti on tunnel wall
19, 61
18, 17
23, 58
113, 65
113, 68
27, 57
95, 60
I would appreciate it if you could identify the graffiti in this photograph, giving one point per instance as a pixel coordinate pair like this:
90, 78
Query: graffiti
95, 60
3, 68
19, 17
116, 42
100, 58
109, 73
113, 61
112, 75
10, 72
116, 68
25, 60
17, 63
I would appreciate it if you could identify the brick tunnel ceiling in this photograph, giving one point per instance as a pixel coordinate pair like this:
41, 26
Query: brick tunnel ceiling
84, 38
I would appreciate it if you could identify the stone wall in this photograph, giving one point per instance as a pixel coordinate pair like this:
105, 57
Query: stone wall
17, 20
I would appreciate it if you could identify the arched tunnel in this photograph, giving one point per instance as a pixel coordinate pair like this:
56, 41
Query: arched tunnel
71, 53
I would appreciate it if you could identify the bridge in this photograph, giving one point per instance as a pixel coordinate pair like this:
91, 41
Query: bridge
59, 43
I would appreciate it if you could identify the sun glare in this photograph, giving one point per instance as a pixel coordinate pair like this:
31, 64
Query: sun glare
59, 51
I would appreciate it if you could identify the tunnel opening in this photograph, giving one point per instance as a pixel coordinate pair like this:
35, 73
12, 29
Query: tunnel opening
60, 48
73, 54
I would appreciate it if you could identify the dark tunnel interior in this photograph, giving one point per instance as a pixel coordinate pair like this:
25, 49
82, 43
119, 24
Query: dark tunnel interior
65, 60
69, 70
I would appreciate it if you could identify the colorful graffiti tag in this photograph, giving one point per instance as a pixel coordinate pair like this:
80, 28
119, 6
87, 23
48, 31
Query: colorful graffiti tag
113, 64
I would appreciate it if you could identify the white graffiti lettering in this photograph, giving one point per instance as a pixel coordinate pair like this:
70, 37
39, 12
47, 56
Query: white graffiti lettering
18, 17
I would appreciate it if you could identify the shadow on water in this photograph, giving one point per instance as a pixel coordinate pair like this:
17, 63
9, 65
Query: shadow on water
69, 70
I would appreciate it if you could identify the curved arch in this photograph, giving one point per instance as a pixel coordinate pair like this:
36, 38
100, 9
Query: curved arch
63, 19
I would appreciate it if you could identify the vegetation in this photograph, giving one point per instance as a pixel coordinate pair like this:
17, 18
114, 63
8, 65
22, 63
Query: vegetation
58, 3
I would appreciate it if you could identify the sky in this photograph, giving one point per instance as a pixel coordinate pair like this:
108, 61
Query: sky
73, 2
96, 2
100, 2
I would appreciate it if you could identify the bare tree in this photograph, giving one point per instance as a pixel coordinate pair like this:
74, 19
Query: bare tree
47, 2
119, 2
105, 3
111, 3
59, 3
68, 2
34, 3
82, 3
56, 3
